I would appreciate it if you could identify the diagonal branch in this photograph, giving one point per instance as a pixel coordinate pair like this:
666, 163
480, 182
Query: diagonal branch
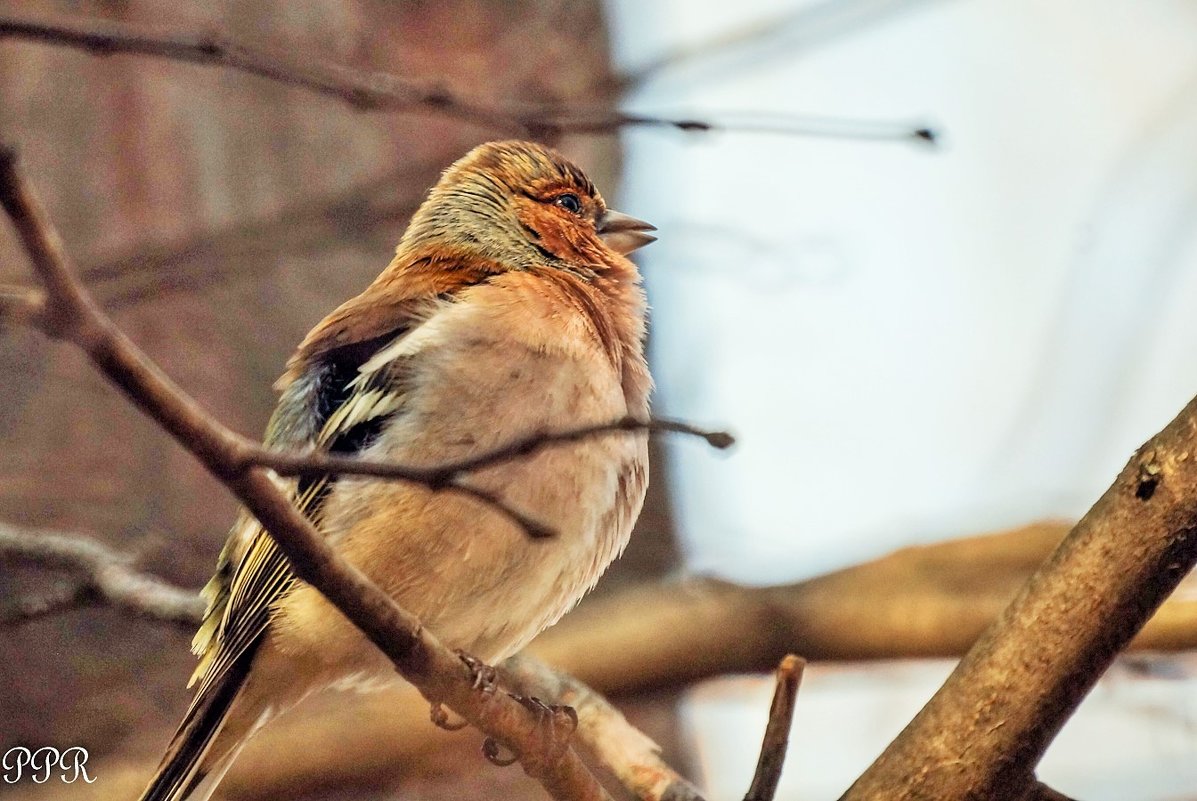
435, 671
379, 91
984, 732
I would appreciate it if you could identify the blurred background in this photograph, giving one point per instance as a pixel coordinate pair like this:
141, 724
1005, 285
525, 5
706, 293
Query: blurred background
912, 342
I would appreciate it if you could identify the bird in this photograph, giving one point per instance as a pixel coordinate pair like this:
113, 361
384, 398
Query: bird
510, 308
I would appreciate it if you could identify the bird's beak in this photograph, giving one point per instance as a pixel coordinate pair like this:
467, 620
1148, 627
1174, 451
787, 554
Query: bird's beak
623, 233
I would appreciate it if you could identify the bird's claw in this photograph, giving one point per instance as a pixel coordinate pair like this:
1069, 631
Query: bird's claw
553, 742
490, 750
485, 676
440, 718
550, 711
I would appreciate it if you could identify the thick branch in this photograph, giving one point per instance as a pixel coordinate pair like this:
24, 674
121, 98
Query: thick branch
378, 91
984, 732
438, 673
105, 577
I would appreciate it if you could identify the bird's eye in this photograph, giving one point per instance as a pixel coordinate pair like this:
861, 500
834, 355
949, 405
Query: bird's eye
570, 202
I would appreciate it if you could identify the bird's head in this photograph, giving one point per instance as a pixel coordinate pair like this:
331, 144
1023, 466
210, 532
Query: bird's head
522, 203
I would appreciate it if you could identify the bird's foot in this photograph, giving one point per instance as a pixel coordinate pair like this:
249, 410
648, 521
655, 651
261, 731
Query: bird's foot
485, 676
551, 738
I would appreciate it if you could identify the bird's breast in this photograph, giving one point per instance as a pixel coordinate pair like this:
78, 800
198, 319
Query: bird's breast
482, 376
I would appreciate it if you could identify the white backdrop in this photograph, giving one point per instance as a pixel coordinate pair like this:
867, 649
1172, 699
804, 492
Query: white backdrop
917, 343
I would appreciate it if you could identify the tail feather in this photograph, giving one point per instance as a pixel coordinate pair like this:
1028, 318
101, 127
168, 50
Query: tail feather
189, 770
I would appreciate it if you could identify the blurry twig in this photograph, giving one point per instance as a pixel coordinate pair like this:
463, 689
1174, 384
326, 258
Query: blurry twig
776, 35
376, 91
777, 732
309, 225
103, 576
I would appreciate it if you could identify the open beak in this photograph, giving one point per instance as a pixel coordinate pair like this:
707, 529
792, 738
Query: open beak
624, 233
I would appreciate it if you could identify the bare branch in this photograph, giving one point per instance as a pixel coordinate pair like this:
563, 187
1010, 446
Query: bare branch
437, 672
782, 35
444, 475
379, 91
777, 732
451, 475
105, 578
603, 730
984, 732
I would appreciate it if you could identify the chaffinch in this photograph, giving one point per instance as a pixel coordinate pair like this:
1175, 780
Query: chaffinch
510, 308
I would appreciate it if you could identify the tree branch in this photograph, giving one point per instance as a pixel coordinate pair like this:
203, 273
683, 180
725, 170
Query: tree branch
104, 577
450, 475
445, 474
438, 673
777, 732
378, 91
984, 732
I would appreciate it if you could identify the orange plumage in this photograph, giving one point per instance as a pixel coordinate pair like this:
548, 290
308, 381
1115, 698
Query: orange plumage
509, 308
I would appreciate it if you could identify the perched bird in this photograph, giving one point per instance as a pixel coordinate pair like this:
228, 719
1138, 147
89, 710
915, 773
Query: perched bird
509, 309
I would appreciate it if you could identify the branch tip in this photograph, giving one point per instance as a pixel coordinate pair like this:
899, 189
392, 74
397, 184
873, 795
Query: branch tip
928, 135
777, 731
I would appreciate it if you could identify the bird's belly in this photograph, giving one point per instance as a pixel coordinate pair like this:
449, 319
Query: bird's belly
473, 577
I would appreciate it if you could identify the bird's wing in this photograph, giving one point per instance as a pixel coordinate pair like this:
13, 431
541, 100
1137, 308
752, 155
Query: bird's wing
342, 385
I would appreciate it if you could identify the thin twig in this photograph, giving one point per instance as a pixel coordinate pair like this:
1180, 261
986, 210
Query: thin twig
450, 475
379, 91
777, 732
443, 475
439, 674
786, 35
105, 578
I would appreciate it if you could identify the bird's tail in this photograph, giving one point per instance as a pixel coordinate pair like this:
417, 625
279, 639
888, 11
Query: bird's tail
202, 749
